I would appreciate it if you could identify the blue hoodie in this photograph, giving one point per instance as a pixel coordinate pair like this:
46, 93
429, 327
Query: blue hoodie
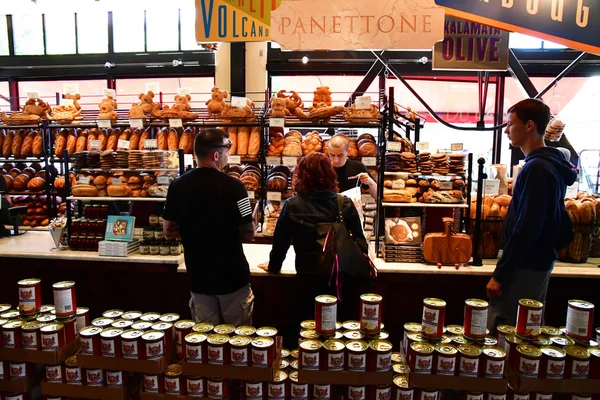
537, 223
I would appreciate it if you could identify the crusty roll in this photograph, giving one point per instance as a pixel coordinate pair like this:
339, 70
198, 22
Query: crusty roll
173, 140
243, 138
254, 142
36, 184
503, 200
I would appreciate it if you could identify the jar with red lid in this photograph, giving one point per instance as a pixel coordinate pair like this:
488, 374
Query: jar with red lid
90, 341
182, 329
475, 319
194, 386
52, 336
239, 351
195, 347
494, 359
420, 358
64, 299
217, 388
325, 314
153, 383
529, 318
370, 313
552, 365
278, 388
174, 380
167, 328
263, 352
154, 347
333, 355
217, 349
434, 311
529, 360
130, 344
110, 342
379, 356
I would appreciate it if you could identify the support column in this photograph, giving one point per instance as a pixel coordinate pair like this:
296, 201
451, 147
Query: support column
223, 66
238, 69
256, 71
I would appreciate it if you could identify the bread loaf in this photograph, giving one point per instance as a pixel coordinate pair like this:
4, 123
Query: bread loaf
37, 148
36, 184
84, 191
71, 142
60, 144
161, 140
254, 143
27, 146
233, 136
17, 143
145, 136
243, 140
119, 191
2, 134
397, 196
7, 145
134, 139
125, 135
185, 143
113, 141
20, 182
173, 140
9, 180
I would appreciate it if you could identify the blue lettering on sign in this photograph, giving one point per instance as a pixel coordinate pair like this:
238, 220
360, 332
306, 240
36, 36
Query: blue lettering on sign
222, 21
235, 34
244, 33
574, 20
207, 16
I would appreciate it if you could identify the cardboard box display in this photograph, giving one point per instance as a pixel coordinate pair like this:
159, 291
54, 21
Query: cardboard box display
235, 372
81, 391
162, 396
522, 383
15, 385
52, 357
442, 382
124, 364
345, 377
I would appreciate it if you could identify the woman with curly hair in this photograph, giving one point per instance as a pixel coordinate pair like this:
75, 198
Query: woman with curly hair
315, 183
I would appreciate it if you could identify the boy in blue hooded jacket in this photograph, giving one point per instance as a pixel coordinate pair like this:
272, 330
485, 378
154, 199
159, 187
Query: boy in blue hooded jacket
537, 224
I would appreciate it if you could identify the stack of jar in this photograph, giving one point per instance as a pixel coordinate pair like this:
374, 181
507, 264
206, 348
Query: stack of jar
467, 351
154, 242
71, 374
88, 231
37, 327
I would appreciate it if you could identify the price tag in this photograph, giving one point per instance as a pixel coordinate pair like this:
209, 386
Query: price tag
422, 146
123, 144
235, 160
104, 123
238, 101
70, 88
490, 187
274, 196
188, 159
251, 194
398, 184
150, 144
163, 180
277, 122
394, 146
363, 102
153, 86
369, 161
182, 91
95, 144
32, 95
572, 191
137, 123
273, 160
175, 123
66, 102
84, 180
367, 198
109, 93
446, 185
456, 147
290, 161
116, 181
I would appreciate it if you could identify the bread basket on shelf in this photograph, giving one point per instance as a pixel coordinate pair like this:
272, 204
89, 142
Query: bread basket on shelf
578, 251
490, 239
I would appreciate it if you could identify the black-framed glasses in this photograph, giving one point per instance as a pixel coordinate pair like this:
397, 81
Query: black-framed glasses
226, 145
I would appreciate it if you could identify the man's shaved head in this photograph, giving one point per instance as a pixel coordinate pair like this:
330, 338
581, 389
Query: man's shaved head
338, 141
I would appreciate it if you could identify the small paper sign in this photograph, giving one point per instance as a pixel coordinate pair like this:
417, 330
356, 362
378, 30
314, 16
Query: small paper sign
163, 180
70, 88
490, 187
137, 123
95, 144
446, 185
123, 144
394, 146
456, 147
274, 196
238, 101
32, 95
398, 184
235, 160
251, 194
422, 146
369, 161
116, 181
290, 161
153, 86
175, 123
277, 122
104, 123
84, 180
66, 102
572, 191
363, 102
109, 93
150, 144
273, 160
182, 91
367, 198
188, 159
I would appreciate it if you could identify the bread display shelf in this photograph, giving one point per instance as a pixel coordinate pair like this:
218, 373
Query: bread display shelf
435, 176
15, 385
118, 198
126, 169
3, 126
25, 160
52, 357
429, 205
27, 193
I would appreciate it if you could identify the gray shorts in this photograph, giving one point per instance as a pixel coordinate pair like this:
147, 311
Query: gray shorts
234, 308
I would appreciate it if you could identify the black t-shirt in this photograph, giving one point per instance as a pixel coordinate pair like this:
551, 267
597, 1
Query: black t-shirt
3, 188
351, 168
209, 207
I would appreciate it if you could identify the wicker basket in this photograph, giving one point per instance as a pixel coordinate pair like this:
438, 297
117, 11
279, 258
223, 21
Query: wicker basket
490, 239
595, 251
578, 250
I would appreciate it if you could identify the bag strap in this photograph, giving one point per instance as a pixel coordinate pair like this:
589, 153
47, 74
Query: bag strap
340, 204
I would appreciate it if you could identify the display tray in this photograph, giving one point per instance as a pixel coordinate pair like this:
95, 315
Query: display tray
235, 372
552, 385
15, 385
427, 205
117, 198
124, 364
345, 377
442, 382
53, 357
163, 396
85, 392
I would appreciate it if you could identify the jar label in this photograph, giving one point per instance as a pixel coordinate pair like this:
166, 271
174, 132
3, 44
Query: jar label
114, 379
129, 349
310, 361
299, 391
469, 367
328, 317
496, 396
254, 391
404, 394
423, 364
370, 314
63, 301
172, 386
356, 393
555, 369
474, 396
80, 323
580, 369
27, 297
239, 357
107, 347
534, 319
446, 366
1, 369
431, 317
357, 362
322, 392
151, 383
93, 377
383, 394
478, 322
8, 337
54, 373
73, 375
154, 350
193, 354
578, 322
517, 396
215, 390
17, 371
429, 395
259, 358
335, 362
215, 355
50, 342
494, 369
87, 346
276, 391
383, 362
542, 396
195, 387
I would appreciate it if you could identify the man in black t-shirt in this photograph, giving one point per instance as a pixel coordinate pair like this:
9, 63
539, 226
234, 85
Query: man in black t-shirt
5, 204
211, 213
349, 172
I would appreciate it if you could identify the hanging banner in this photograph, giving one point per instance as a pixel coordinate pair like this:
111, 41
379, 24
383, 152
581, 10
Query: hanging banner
234, 20
357, 24
573, 23
472, 46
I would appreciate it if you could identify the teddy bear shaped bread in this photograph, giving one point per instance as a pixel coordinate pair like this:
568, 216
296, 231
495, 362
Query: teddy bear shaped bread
276, 144
293, 100
216, 104
147, 104
107, 109
278, 108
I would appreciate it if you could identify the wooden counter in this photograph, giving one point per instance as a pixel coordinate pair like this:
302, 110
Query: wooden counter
154, 283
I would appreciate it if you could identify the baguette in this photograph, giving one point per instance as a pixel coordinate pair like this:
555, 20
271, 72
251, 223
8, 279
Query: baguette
113, 140
185, 142
161, 140
145, 136
81, 143
71, 141
254, 143
134, 139
17, 143
60, 143
38, 144
243, 137
7, 145
173, 140
27, 146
